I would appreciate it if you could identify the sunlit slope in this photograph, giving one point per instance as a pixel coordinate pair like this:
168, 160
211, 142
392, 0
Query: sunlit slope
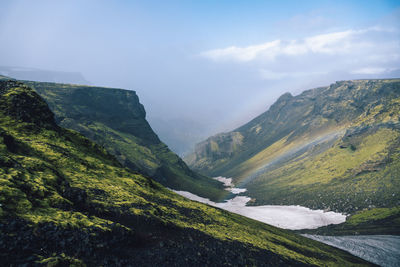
357, 172
65, 200
115, 119
333, 147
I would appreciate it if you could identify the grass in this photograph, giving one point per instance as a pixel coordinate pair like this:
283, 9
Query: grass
380, 221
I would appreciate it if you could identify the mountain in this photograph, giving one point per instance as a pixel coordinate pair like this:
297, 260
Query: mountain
65, 200
334, 148
115, 119
32, 74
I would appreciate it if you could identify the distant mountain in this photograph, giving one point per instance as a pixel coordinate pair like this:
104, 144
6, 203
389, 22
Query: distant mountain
32, 74
115, 119
65, 201
334, 148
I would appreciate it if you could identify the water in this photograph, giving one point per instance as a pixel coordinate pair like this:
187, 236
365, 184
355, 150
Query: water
383, 250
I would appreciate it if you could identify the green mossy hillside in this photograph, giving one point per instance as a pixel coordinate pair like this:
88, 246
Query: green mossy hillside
115, 119
65, 200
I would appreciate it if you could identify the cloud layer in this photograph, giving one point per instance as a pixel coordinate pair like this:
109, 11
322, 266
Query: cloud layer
369, 51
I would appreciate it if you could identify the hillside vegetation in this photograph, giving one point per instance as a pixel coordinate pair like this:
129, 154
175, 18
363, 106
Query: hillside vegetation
115, 119
334, 148
379, 221
65, 200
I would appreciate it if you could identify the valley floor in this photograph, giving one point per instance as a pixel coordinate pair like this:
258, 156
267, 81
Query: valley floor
383, 250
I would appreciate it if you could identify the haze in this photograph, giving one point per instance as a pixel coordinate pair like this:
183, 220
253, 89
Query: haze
201, 67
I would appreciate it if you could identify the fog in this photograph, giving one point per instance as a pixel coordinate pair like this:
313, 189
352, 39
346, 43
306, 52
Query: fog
203, 67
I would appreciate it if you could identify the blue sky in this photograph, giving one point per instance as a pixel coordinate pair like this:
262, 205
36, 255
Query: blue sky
214, 64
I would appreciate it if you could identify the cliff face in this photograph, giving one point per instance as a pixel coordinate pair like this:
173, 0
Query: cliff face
64, 200
315, 149
115, 119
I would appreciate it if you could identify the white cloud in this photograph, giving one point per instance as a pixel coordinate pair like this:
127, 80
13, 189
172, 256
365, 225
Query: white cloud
330, 44
243, 53
367, 52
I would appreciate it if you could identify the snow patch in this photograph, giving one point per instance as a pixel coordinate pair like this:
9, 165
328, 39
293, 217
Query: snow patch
287, 217
226, 181
229, 186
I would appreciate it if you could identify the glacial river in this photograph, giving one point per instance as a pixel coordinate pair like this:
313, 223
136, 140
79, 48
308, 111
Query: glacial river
382, 250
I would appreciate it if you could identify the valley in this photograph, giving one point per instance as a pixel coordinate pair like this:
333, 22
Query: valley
199, 133
70, 202
82, 196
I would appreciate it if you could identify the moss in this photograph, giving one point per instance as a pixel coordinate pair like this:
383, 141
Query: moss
61, 260
373, 215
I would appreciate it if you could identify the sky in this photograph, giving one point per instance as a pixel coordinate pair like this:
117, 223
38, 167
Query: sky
202, 67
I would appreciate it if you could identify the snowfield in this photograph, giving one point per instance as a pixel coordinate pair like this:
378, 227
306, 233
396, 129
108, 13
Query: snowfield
287, 217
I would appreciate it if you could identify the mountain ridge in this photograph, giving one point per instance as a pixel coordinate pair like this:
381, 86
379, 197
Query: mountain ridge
320, 149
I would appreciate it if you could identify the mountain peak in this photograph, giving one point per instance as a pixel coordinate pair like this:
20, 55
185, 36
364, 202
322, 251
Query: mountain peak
285, 97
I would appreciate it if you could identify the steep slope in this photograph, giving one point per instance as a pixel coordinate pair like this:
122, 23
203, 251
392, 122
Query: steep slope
115, 119
334, 147
65, 200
